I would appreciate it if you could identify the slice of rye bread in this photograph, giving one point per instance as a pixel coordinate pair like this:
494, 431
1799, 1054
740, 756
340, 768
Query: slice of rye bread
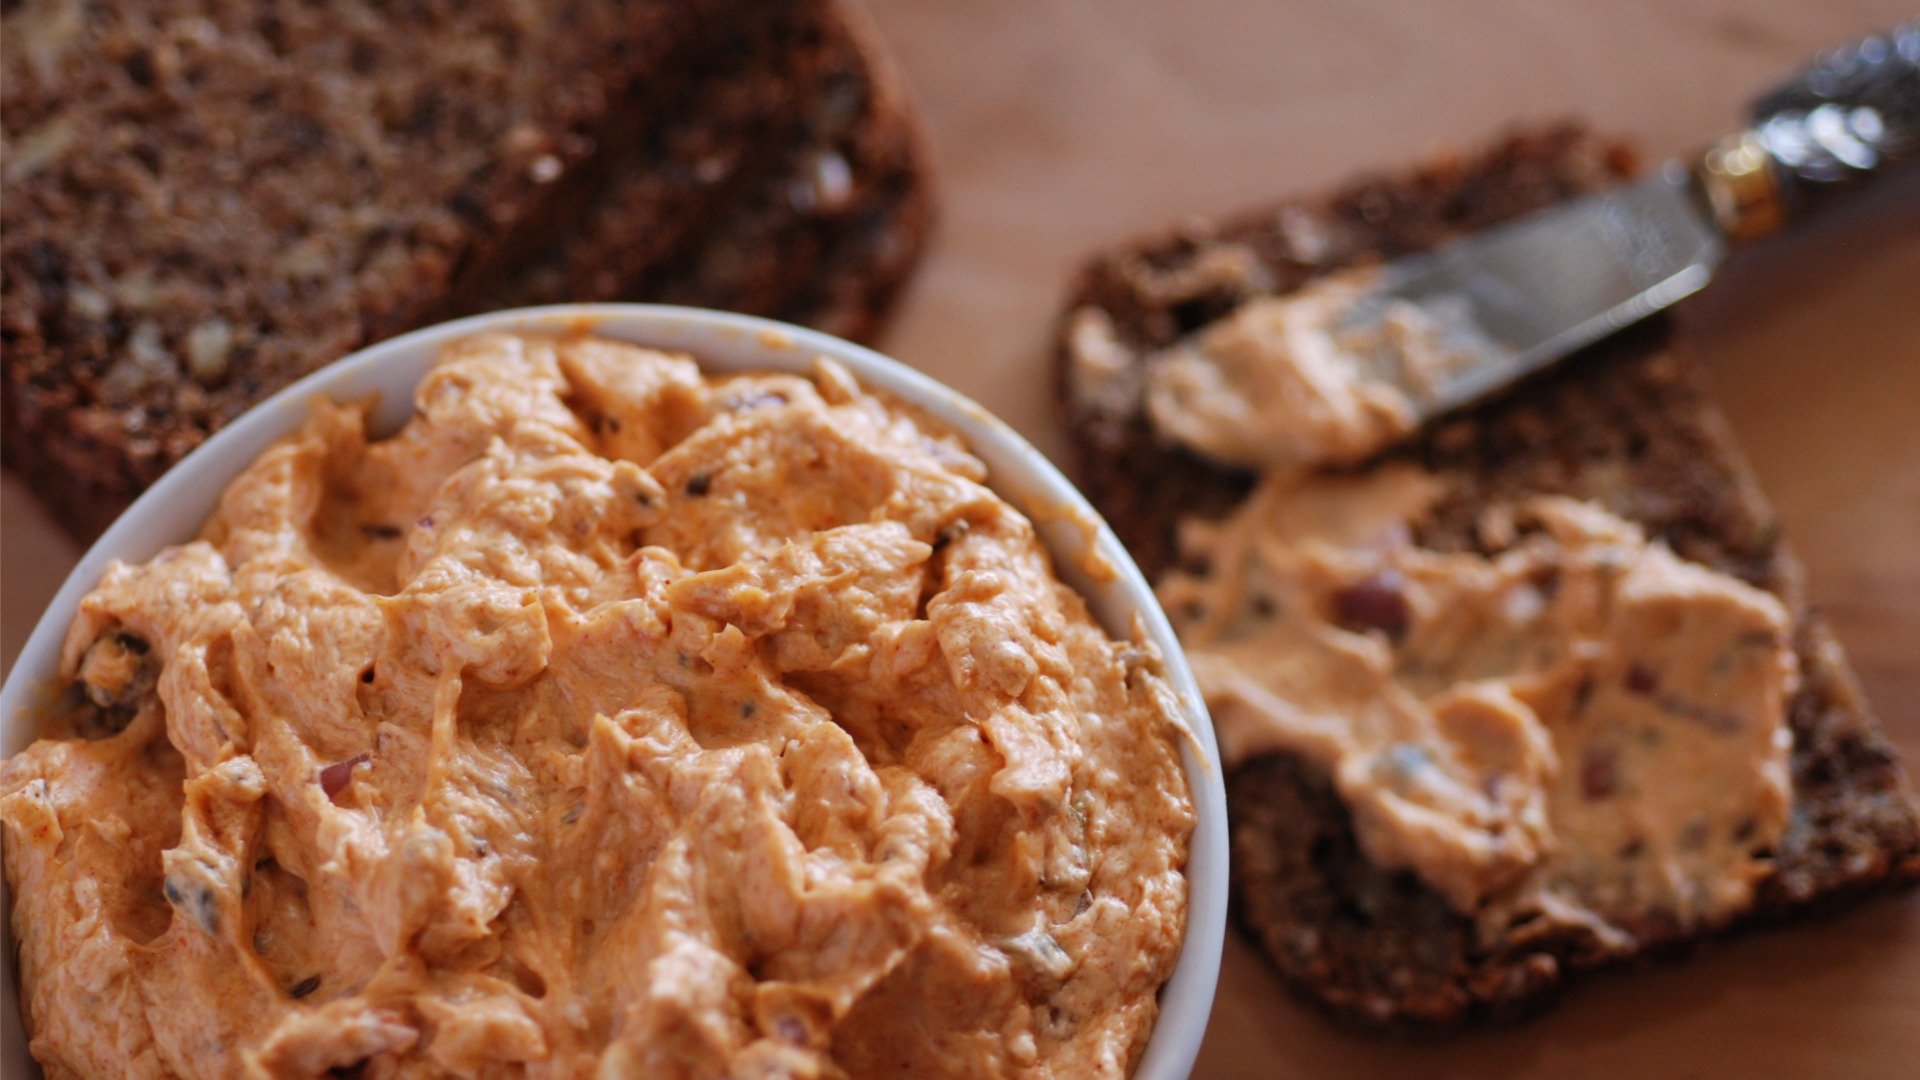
866, 239
652, 197
828, 239
822, 232
1628, 424
771, 66
205, 199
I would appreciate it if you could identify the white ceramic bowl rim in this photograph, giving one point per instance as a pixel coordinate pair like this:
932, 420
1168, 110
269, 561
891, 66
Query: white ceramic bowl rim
174, 508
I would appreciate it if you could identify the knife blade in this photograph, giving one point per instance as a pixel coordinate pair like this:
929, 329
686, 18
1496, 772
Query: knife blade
1510, 301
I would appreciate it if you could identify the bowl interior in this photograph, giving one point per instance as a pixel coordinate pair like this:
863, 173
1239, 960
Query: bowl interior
1086, 553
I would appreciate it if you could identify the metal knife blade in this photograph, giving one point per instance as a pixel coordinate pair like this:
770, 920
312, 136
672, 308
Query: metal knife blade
1514, 299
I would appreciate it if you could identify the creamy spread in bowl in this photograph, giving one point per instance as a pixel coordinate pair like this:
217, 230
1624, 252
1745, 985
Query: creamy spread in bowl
611, 716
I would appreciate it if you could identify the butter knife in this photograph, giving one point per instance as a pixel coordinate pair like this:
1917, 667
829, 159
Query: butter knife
1514, 299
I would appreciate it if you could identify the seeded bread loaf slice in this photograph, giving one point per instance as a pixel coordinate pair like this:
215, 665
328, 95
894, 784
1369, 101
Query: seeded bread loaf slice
1627, 424
829, 195
651, 196
704, 148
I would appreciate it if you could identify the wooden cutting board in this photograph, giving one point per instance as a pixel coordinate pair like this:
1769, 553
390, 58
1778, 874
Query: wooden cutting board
1065, 125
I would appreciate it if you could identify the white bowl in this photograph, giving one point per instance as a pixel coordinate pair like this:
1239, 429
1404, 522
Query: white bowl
173, 510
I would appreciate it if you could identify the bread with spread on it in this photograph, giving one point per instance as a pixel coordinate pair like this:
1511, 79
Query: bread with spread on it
1626, 426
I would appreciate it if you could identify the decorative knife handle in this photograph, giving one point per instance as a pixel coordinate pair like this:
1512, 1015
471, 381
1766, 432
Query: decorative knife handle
1852, 113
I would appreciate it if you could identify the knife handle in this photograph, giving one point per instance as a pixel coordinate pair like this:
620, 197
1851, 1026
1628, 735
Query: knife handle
1854, 112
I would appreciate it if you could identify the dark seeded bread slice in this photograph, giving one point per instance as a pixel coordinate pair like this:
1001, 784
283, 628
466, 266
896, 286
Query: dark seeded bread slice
653, 195
1626, 424
867, 245
207, 198
829, 238
828, 194
700, 192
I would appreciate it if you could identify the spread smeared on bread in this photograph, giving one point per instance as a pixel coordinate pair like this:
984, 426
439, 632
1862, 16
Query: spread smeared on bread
1620, 441
1575, 725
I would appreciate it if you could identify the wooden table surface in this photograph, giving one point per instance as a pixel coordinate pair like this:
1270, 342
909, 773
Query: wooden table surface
1064, 125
